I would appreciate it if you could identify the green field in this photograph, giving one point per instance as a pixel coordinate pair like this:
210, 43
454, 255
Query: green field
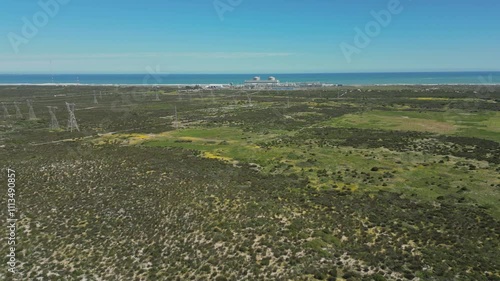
453, 122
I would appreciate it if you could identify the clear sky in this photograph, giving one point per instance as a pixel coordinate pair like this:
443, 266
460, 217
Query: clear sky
247, 36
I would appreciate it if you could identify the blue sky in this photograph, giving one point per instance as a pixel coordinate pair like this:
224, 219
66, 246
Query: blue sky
273, 36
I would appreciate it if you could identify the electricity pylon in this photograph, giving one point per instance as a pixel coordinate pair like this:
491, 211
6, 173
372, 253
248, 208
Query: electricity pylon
95, 98
19, 115
72, 124
54, 125
31, 113
6, 114
176, 118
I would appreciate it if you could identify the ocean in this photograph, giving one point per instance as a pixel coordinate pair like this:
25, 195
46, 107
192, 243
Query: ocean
419, 78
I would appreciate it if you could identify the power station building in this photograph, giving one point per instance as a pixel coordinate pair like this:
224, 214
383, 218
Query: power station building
256, 82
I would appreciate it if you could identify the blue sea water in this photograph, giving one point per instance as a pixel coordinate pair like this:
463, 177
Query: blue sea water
421, 78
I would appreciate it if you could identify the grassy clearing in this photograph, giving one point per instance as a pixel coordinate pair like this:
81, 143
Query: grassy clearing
484, 124
342, 168
223, 143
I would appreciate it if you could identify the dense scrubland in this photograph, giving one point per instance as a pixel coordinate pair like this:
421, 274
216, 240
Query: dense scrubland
345, 183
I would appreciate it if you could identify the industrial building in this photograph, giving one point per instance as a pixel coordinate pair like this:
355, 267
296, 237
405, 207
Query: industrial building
256, 82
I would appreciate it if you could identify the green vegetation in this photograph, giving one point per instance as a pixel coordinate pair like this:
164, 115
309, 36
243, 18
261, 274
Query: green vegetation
452, 122
383, 183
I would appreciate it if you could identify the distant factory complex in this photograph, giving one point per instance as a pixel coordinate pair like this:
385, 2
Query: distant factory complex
271, 83
256, 82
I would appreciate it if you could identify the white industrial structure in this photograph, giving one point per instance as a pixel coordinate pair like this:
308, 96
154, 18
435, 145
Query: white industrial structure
256, 82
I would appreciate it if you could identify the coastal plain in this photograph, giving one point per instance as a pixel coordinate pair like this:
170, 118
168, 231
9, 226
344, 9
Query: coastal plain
335, 183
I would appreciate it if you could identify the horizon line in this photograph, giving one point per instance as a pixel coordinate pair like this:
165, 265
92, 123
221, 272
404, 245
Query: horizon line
253, 73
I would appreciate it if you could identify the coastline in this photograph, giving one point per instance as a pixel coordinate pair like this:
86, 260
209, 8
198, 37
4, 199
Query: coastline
235, 86
424, 79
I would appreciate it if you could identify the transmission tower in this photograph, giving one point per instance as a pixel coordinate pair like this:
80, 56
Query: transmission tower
31, 113
341, 95
72, 124
19, 115
157, 98
5, 111
95, 98
249, 99
176, 118
54, 125
100, 94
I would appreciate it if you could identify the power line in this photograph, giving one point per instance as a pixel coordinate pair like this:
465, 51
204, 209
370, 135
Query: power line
6, 114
